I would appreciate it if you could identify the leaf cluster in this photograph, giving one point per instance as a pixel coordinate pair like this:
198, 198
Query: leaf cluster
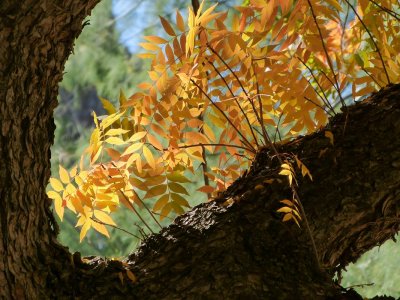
279, 69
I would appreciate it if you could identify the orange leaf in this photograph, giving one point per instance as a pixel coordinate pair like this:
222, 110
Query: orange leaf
155, 39
179, 21
131, 276
167, 27
154, 141
156, 191
206, 189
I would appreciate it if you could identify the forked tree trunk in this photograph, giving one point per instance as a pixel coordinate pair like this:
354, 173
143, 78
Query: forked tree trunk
36, 38
214, 251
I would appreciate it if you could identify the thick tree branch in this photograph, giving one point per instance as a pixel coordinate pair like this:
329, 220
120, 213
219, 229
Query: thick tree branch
245, 250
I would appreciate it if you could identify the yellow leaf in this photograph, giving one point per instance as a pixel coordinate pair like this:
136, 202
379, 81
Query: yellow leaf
108, 106
167, 27
122, 98
103, 217
137, 136
53, 195
86, 226
165, 211
56, 184
200, 9
285, 209
100, 228
190, 40
73, 172
149, 157
132, 158
179, 200
111, 119
156, 191
177, 177
117, 131
113, 140
155, 39
287, 217
154, 180
161, 202
149, 46
177, 188
70, 188
64, 176
204, 19
335, 4
132, 148
96, 122
177, 208
95, 154
285, 172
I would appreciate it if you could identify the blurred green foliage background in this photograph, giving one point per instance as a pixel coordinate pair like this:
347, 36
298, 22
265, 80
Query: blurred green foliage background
103, 64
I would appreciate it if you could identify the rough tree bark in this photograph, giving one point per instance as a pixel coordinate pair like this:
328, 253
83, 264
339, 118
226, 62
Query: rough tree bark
214, 251
36, 38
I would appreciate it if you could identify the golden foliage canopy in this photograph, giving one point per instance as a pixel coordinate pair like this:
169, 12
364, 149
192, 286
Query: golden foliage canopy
223, 89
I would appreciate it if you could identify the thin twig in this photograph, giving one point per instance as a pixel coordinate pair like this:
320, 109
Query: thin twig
240, 83
326, 53
372, 77
277, 128
136, 212
259, 103
223, 113
235, 99
316, 104
164, 216
148, 210
214, 144
115, 227
325, 98
390, 12
139, 200
359, 285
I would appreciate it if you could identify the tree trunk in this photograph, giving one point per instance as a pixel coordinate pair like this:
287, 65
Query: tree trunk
36, 39
215, 251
